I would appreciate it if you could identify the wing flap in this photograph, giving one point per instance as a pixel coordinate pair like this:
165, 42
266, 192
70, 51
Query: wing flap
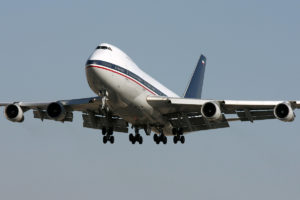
98, 122
40, 114
197, 123
255, 115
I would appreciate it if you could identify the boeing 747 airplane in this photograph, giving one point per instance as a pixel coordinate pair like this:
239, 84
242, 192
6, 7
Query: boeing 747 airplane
127, 96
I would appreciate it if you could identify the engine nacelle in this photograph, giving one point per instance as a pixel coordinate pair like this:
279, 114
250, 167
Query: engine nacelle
14, 113
211, 111
284, 112
56, 111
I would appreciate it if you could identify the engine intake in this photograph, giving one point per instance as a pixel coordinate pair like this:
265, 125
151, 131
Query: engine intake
211, 111
14, 113
56, 111
284, 112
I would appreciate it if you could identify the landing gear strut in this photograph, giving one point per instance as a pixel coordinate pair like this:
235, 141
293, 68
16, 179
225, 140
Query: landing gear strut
104, 131
178, 135
147, 130
136, 138
107, 135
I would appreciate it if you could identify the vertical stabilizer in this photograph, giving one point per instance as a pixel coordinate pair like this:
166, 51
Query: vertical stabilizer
194, 88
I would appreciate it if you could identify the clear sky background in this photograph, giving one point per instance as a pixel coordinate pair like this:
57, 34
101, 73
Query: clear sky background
252, 50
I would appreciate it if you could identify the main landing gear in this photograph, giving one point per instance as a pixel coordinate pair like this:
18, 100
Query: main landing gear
178, 135
160, 138
107, 135
136, 138
178, 138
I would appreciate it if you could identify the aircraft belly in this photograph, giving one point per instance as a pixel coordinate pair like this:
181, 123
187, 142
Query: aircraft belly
126, 98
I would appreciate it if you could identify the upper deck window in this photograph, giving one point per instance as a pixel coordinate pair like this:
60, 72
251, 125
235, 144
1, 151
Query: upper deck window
103, 47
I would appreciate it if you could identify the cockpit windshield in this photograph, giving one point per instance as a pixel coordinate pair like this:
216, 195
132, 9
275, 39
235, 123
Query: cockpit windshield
103, 47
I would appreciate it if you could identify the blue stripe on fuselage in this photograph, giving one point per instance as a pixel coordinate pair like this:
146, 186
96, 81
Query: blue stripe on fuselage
127, 72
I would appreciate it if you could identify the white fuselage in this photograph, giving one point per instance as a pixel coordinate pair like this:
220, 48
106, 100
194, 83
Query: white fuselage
127, 86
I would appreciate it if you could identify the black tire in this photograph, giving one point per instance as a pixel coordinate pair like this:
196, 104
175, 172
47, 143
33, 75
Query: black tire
104, 130
182, 139
131, 137
105, 139
175, 139
155, 138
164, 140
140, 139
112, 139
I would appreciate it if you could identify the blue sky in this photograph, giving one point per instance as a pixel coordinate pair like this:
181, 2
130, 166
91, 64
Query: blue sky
252, 50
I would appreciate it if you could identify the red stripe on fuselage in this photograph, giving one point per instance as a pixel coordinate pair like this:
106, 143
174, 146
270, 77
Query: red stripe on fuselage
99, 67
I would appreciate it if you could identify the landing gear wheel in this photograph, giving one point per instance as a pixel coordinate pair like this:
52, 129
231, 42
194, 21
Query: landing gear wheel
164, 139
112, 139
131, 137
140, 139
133, 141
104, 131
105, 139
175, 139
182, 139
155, 138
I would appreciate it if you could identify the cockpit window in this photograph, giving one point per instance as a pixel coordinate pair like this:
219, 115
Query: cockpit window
103, 47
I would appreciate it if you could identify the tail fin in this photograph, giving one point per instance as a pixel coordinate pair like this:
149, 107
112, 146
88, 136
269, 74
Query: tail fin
194, 88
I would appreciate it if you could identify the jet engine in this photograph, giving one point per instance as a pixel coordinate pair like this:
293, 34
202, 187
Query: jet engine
56, 111
211, 111
284, 112
14, 113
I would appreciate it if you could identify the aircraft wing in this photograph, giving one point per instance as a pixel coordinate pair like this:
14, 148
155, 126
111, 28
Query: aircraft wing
187, 113
92, 113
83, 104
